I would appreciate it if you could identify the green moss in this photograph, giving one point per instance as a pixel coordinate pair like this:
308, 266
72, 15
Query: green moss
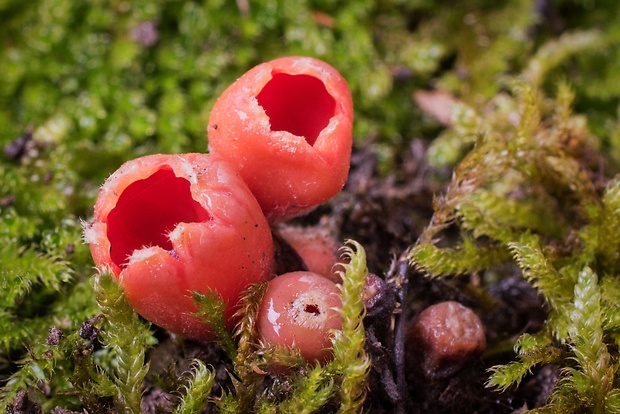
197, 391
530, 188
536, 116
211, 309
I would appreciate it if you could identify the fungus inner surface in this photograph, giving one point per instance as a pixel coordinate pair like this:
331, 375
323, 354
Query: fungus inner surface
312, 309
299, 104
147, 211
309, 309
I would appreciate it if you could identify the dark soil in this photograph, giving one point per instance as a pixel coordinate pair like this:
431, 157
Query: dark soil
386, 214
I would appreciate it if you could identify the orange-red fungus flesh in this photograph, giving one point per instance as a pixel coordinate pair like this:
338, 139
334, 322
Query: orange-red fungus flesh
304, 113
131, 226
287, 126
170, 225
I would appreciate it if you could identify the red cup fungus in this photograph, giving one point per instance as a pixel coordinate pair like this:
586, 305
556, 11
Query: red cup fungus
287, 126
299, 310
167, 225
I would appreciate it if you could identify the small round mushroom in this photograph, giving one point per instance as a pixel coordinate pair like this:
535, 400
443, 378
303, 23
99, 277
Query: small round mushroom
444, 338
299, 310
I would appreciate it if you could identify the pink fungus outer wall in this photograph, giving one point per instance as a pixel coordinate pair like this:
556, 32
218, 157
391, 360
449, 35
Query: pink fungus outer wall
287, 125
166, 225
299, 310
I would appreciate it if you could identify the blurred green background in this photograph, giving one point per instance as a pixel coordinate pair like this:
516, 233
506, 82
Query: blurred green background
87, 85
100, 82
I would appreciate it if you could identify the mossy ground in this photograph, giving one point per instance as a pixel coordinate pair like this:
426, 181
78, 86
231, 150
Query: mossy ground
498, 192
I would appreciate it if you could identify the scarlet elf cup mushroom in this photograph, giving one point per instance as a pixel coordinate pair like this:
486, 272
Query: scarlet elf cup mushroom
167, 225
287, 126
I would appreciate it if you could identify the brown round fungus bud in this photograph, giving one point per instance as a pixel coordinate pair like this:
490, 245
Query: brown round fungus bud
374, 286
378, 297
443, 338
379, 302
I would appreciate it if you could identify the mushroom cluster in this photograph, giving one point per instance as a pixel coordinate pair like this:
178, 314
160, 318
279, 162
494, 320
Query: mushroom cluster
280, 142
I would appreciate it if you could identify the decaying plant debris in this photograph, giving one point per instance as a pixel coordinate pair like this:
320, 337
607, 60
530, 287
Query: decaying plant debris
484, 172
